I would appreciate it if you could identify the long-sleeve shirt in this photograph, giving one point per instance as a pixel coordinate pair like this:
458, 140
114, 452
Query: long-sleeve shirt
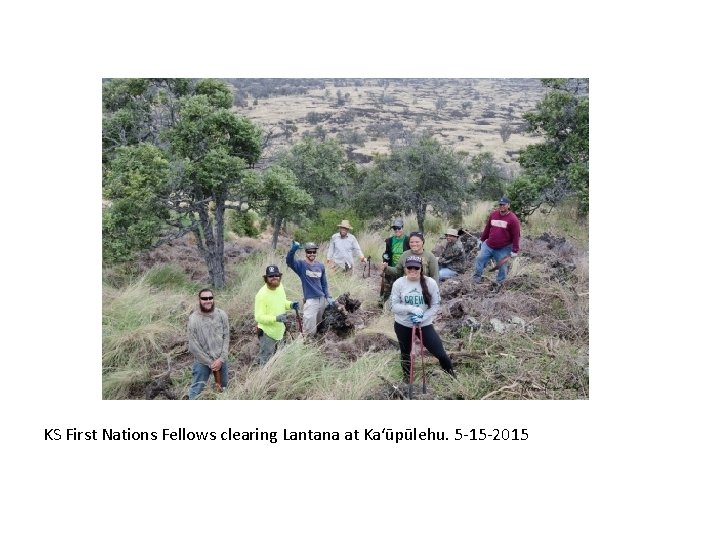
407, 296
312, 275
209, 336
430, 265
341, 250
268, 305
452, 256
502, 230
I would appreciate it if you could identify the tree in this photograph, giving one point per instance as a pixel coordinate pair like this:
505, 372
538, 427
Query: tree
416, 178
493, 179
281, 197
505, 131
318, 166
193, 160
558, 167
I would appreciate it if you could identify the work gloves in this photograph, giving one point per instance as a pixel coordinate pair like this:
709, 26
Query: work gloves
295, 244
416, 319
513, 254
295, 305
281, 318
330, 300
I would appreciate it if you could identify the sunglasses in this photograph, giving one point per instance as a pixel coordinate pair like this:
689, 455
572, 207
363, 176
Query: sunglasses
206, 298
396, 228
311, 252
412, 268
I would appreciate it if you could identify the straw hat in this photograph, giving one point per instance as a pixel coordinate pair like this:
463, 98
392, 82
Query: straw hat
345, 224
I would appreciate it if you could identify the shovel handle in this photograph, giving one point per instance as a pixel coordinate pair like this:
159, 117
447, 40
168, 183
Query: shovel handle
218, 380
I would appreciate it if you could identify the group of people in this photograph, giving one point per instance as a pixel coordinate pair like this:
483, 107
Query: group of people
410, 281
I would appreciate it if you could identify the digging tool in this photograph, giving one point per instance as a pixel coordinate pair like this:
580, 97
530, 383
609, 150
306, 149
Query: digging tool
299, 322
218, 380
386, 260
412, 363
415, 337
422, 358
500, 263
369, 268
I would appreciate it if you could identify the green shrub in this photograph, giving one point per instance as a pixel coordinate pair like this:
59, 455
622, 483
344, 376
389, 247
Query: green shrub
243, 223
326, 224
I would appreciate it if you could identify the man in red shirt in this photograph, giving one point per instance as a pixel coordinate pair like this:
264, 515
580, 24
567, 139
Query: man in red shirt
500, 239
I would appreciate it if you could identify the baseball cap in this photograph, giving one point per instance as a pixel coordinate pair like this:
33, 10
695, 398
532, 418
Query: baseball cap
272, 270
413, 261
504, 200
397, 223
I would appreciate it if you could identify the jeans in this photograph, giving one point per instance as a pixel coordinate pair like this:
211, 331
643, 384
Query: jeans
487, 253
446, 273
200, 375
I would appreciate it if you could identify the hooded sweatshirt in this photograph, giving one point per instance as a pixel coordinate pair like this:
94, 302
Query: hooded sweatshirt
407, 299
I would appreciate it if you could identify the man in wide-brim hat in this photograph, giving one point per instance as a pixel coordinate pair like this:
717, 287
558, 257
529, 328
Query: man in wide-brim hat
343, 245
452, 255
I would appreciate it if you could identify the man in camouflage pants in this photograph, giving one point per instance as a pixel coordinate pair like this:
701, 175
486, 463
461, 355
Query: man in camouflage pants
452, 256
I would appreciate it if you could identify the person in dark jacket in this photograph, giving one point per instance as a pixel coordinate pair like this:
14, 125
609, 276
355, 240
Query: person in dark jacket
395, 245
500, 241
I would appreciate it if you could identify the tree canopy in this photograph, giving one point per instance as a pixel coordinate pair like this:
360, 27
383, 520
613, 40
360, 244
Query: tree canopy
174, 157
558, 167
416, 178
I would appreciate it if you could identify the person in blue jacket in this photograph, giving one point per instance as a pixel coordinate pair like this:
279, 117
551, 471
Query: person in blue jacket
313, 278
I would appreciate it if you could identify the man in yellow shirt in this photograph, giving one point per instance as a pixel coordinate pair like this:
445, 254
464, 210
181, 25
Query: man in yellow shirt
270, 307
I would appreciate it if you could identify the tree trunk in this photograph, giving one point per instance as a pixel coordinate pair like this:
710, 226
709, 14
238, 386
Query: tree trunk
211, 244
277, 224
421, 211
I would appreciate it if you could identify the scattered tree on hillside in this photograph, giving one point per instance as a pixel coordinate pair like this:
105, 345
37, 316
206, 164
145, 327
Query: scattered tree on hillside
188, 157
415, 178
492, 179
505, 131
558, 167
280, 196
318, 167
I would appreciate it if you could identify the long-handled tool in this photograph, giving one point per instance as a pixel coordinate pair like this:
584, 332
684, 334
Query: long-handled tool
500, 264
412, 361
299, 322
369, 268
415, 337
422, 358
218, 380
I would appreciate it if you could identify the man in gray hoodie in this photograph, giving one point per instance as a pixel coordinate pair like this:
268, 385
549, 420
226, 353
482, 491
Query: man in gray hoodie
208, 341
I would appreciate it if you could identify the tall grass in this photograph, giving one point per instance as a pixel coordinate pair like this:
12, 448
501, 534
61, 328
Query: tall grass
145, 317
140, 323
301, 371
